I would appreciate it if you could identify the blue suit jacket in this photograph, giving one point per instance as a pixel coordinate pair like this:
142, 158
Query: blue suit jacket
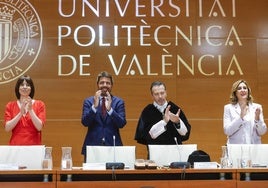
99, 127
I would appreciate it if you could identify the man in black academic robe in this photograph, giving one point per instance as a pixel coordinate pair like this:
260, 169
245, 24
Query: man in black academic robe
162, 122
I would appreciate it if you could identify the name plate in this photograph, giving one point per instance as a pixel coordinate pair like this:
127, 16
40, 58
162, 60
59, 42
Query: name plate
9, 167
206, 165
93, 166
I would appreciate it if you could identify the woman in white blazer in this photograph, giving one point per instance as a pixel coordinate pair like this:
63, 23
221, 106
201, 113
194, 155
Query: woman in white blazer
243, 121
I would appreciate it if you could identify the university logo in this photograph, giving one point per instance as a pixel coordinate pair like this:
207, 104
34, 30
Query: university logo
20, 38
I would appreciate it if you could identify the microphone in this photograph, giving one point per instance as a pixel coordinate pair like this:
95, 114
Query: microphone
175, 138
114, 165
179, 164
114, 147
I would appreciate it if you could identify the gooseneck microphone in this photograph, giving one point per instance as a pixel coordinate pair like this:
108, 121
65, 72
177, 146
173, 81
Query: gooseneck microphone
175, 138
114, 147
179, 164
114, 165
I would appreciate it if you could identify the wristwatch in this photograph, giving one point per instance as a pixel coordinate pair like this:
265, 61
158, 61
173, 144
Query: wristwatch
177, 125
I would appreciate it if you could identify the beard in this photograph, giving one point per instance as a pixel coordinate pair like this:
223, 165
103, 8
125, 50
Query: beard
104, 91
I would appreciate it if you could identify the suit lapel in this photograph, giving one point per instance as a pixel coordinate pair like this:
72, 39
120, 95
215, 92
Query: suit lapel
237, 108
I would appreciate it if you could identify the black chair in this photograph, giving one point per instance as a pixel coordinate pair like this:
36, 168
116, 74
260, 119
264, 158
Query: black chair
198, 156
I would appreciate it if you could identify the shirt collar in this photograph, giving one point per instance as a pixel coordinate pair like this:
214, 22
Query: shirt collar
161, 108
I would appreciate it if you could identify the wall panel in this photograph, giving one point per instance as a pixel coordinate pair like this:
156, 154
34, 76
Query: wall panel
198, 53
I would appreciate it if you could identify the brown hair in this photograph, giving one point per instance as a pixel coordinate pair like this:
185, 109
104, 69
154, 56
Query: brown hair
106, 75
157, 83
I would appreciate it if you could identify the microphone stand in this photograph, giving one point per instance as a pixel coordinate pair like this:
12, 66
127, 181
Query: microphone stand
180, 164
114, 165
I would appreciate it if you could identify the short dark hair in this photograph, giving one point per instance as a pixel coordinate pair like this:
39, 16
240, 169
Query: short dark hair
157, 83
106, 75
19, 82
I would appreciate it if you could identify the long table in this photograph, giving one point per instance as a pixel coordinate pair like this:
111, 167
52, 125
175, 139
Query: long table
148, 178
252, 177
28, 178
163, 178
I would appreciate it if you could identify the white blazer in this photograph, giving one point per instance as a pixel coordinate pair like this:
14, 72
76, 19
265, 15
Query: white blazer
246, 130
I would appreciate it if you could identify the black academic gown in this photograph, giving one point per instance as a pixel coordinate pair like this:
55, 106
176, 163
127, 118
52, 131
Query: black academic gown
151, 115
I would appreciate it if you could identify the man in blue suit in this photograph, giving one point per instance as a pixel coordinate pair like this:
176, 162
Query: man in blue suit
103, 114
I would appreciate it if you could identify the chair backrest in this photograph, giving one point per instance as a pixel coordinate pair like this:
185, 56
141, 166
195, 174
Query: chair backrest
30, 157
163, 155
103, 154
258, 153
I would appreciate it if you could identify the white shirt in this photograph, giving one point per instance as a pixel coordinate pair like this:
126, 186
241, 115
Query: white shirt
160, 127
